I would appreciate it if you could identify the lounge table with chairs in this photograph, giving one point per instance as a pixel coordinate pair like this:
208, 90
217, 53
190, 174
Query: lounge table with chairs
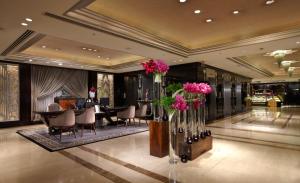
60, 121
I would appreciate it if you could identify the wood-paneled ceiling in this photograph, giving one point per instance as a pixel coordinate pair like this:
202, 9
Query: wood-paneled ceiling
177, 22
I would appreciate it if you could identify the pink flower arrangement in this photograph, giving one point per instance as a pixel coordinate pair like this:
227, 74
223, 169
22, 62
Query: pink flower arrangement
93, 89
197, 88
180, 103
155, 66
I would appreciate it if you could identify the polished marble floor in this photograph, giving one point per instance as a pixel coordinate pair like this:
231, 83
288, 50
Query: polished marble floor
127, 159
277, 126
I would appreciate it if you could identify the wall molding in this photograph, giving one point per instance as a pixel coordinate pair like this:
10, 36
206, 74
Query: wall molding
242, 61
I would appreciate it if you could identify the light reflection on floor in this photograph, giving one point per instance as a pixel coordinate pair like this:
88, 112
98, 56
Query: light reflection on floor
278, 125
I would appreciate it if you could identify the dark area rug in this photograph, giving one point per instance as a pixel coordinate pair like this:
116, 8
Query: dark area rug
52, 143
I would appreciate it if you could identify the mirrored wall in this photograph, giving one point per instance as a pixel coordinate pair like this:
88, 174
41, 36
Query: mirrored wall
9, 92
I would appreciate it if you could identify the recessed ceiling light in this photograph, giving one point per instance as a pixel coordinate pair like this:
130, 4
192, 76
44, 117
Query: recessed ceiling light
57, 49
95, 50
28, 19
90, 49
235, 12
84, 48
268, 2
99, 56
60, 64
298, 42
24, 24
182, 1
44, 46
30, 60
208, 20
197, 11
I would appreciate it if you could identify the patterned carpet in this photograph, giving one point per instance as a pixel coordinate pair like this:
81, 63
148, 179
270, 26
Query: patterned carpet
52, 143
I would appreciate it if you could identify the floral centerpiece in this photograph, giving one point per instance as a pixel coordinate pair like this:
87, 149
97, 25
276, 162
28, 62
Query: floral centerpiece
188, 105
157, 67
92, 92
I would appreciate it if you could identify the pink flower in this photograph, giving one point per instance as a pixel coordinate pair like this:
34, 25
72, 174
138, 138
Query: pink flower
161, 67
149, 66
191, 87
204, 88
180, 103
197, 88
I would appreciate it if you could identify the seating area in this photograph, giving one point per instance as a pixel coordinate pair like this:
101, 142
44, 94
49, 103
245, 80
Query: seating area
73, 120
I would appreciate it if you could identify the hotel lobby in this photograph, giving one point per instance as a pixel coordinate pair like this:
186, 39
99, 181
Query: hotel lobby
134, 91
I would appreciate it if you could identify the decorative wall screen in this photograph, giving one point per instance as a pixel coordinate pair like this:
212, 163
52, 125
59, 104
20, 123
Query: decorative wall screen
9, 92
105, 87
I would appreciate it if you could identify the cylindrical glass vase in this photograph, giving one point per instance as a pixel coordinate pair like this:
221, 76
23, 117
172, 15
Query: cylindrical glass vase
157, 94
173, 121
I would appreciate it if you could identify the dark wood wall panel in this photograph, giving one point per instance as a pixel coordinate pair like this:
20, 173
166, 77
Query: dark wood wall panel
25, 92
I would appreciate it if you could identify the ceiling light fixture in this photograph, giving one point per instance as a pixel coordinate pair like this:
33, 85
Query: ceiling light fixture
60, 64
84, 48
30, 60
24, 24
28, 19
95, 50
298, 42
197, 11
291, 71
107, 58
99, 56
182, 1
268, 2
44, 46
235, 12
90, 49
209, 20
286, 64
279, 55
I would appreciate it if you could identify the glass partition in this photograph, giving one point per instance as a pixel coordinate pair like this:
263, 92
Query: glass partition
9, 92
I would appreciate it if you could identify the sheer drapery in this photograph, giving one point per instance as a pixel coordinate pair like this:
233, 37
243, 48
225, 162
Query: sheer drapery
48, 82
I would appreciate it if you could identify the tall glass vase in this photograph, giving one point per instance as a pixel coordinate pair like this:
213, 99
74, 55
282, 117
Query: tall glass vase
173, 121
190, 122
157, 94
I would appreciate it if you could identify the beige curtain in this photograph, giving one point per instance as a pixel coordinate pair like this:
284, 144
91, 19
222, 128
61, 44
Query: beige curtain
48, 82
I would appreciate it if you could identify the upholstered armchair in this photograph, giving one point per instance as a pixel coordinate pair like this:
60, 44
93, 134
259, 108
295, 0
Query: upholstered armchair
64, 122
141, 113
54, 107
87, 119
127, 115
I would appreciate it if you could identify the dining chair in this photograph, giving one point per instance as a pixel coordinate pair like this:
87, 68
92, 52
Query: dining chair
141, 113
87, 118
64, 122
54, 107
127, 115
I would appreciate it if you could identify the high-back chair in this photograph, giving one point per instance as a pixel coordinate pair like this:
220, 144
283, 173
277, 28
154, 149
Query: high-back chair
64, 122
54, 107
87, 119
127, 115
141, 113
